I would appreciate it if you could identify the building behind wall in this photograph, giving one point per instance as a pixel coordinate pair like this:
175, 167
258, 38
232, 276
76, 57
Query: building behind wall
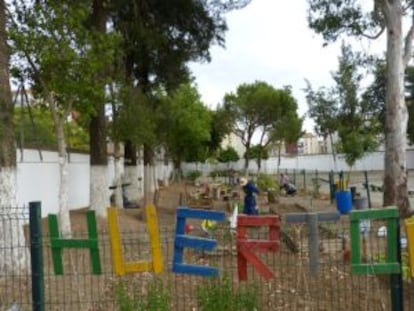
234, 141
309, 144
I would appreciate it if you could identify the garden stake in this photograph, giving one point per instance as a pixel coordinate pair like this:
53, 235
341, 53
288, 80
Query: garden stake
312, 220
367, 188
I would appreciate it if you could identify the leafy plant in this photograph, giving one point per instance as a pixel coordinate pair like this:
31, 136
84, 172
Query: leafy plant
228, 155
156, 297
266, 182
193, 175
219, 294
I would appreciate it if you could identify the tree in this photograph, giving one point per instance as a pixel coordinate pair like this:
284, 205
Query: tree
258, 153
288, 127
134, 123
221, 125
409, 76
259, 108
358, 128
186, 124
60, 58
343, 111
332, 18
15, 256
35, 129
99, 195
228, 155
160, 37
323, 109
374, 96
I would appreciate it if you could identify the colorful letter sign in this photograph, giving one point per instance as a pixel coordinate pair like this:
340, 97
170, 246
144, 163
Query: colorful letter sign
58, 244
392, 265
120, 266
183, 240
312, 220
246, 247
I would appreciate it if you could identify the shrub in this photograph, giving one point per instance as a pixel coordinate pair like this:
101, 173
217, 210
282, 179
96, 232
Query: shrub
193, 175
219, 295
157, 297
266, 183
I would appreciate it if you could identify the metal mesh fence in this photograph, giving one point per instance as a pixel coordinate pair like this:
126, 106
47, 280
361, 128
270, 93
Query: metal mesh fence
15, 285
295, 286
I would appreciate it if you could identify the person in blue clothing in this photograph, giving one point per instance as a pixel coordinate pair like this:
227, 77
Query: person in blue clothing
250, 191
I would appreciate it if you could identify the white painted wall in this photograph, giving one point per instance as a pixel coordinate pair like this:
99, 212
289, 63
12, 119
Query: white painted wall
38, 180
321, 162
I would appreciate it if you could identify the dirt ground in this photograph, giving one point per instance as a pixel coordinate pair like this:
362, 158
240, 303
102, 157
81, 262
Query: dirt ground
293, 288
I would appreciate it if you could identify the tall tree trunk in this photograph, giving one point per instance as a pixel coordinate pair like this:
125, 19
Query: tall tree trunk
395, 175
333, 152
118, 167
64, 215
279, 157
99, 184
14, 256
246, 158
177, 173
149, 188
166, 175
131, 171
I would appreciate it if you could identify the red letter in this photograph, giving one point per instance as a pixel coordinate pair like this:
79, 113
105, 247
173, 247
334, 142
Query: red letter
246, 248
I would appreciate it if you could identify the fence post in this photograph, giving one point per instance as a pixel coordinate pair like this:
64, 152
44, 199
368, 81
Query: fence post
304, 180
331, 186
36, 255
396, 278
367, 188
294, 177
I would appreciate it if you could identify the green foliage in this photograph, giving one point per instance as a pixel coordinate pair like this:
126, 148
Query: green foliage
262, 109
357, 131
41, 133
220, 295
219, 173
228, 155
134, 118
374, 97
257, 152
342, 110
156, 296
35, 128
323, 109
221, 125
333, 18
267, 182
58, 55
193, 175
186, 125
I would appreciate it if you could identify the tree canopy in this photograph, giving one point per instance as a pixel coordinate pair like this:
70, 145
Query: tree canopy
260, 109
186, 125
346, 111
333, 18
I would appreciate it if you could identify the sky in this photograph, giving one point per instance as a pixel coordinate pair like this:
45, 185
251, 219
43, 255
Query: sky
269, 40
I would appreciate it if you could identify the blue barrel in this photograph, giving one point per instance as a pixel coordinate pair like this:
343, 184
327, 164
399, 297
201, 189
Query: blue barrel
343, 201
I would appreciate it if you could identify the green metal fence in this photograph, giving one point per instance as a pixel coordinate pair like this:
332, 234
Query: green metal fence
297, 285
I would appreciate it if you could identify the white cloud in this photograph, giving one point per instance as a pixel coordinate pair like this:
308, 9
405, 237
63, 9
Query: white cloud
269, 40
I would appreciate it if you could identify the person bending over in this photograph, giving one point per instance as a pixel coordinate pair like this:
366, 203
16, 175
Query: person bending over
250, 193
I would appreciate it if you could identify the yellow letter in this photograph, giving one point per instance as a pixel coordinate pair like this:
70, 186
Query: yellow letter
120, 266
